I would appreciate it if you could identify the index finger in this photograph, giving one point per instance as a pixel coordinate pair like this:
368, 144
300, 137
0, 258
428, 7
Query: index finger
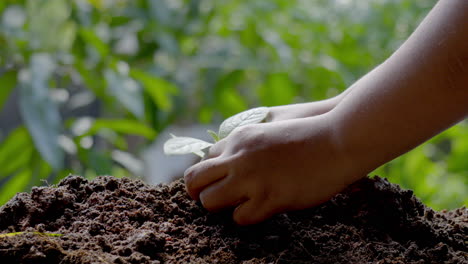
203, 174
216, 150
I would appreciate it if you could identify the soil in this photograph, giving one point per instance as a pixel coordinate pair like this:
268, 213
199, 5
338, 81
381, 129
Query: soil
111, 220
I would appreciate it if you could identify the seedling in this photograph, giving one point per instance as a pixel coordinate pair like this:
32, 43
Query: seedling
185, 145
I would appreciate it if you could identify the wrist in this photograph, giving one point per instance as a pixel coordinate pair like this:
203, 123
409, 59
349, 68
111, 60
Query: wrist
345, 163
356, 159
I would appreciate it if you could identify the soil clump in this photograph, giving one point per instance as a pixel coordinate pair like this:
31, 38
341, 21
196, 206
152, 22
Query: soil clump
110, 220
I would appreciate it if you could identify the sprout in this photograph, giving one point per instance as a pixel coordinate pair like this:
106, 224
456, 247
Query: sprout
186, 145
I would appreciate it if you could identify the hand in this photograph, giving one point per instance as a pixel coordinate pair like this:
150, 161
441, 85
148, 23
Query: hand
268, 168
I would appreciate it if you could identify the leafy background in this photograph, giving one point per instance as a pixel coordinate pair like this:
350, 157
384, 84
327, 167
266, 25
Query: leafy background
86, 85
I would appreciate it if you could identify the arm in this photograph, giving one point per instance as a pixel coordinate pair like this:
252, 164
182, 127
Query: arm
269, 168
419, 91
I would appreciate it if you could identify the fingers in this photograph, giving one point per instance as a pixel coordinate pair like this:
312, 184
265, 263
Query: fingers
222, 194
216, 150
202, 174
252, 212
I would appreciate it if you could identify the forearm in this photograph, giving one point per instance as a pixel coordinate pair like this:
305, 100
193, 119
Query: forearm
418, 92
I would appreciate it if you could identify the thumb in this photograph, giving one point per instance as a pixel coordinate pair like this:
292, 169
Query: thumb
251, 212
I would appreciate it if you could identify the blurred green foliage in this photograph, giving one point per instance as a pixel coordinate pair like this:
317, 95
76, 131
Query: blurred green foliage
97, 80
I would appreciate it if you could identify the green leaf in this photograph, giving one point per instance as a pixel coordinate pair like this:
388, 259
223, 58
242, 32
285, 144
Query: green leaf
231, 102
40, 114
324, 83
214, 135
129, 162
92, 79
18, 162
126, 91
90, 37
228, 98
48, 27
17, 183
252, 116
14, 143
98, 161
126, 126
158, 88
15, 152
205, 114
278, 89
7, 84
185, 145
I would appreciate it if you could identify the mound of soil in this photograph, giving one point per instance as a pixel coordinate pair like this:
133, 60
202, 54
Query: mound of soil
111, 220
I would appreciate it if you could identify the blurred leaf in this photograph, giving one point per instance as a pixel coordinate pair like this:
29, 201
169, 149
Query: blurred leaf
15, 152
67, 35
205, 115
92, 80
458, 160
126, 126
249, 36
48, 26
16, 183
417, 163
158, 88
128, 161
40, 114
278, 89
127, 91
228, 99
17, 162
321, 81
96, 3
231, 102
7, 84
90, 37
161, 12
100, 162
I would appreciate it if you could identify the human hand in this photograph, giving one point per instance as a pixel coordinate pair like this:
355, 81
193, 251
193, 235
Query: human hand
268, 168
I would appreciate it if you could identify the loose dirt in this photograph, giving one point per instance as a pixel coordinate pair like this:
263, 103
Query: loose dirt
111, 220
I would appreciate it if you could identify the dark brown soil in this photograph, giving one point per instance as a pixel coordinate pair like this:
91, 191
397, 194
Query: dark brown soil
111, 220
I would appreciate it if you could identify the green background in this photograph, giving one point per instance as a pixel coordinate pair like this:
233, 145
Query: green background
94, 82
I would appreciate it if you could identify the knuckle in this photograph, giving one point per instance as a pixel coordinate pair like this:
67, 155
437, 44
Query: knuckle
264, 194
188, 176
245, 217
248, 137
255, 135
243, 130
240, 217
206, 201
189, 179
211, 153
206, 166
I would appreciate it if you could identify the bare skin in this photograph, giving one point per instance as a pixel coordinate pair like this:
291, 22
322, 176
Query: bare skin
286, 112
310, 152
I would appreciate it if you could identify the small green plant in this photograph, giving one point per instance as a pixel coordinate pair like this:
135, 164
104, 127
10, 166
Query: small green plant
185, 145
34, 233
